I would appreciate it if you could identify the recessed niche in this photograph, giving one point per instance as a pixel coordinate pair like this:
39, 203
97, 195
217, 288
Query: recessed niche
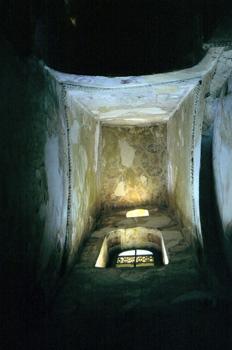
136, 239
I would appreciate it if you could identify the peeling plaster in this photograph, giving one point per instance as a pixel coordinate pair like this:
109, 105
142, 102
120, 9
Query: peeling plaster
75, 132
127, 153
96, 148
55, 198
54, 178
124, 112
145, 172
143, 180
83, 165
167, 89
120, 190
76, 202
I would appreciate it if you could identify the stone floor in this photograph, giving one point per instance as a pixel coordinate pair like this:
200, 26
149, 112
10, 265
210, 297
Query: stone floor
163, 308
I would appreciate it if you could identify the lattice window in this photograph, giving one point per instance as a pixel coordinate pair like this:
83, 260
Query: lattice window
135, 258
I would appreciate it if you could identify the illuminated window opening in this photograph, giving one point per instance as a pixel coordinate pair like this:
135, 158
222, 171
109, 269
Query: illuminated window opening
135, 258
137, 212
120, 240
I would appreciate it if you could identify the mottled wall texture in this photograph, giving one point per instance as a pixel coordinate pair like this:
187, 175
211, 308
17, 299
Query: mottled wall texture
193, 117
179, 163
83, 142
134, 166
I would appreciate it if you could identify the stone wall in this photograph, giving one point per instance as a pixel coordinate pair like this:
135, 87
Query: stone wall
134, 166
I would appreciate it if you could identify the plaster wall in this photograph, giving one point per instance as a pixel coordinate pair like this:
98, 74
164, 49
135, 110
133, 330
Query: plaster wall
184, 153
222, 165
179, 165
54, 177
54, 210
132, 156
85, 173
221, 74
134, 166
198, 118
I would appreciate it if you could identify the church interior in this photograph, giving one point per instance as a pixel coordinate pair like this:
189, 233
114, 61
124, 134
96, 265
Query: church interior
116, 162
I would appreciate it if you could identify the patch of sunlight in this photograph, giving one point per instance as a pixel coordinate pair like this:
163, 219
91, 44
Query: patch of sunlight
137, 212
127, 253
144, 252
